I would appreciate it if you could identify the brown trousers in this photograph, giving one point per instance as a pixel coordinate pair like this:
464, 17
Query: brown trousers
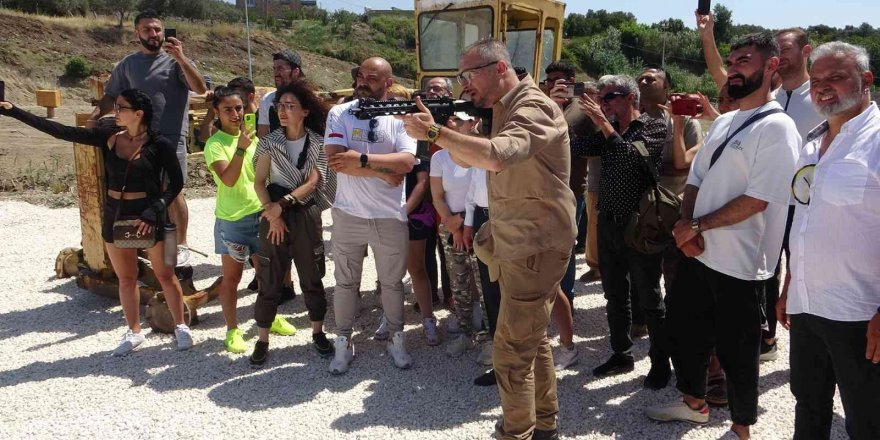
522, 358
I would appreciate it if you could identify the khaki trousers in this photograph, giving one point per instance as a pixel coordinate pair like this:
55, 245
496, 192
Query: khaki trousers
592, 255
522, 358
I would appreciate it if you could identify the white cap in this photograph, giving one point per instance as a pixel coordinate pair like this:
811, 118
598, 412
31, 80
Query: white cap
463, 116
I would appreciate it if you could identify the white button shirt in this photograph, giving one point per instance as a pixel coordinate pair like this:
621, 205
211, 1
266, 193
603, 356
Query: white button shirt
835, 249
478, 195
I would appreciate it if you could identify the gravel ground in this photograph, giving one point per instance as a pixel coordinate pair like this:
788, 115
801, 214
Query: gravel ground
57, 381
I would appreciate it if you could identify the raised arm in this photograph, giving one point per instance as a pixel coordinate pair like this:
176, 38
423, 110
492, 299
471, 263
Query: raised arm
194, 80
87, 136
714, 62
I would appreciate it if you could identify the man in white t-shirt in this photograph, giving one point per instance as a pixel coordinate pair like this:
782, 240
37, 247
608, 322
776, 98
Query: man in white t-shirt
371, 158
733, 218
287, 68
832, 304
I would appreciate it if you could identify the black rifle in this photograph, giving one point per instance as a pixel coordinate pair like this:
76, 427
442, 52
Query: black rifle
441, 108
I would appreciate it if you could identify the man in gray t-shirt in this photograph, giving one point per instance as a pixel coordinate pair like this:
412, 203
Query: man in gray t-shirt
161, 70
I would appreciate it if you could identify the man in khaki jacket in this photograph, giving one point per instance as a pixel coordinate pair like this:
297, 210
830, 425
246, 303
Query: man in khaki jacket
531, 224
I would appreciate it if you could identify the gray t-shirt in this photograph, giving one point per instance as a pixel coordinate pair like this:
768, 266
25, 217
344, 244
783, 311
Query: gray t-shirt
162, 79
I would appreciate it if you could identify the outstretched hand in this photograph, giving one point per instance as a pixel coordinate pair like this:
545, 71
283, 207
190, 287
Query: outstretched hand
417, 124
6, 105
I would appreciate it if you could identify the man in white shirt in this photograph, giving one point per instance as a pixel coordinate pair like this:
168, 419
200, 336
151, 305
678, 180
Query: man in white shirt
733, 217
831, 300
371, 158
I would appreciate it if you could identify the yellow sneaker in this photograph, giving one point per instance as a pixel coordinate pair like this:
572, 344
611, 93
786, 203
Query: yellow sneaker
280, 326
235, 342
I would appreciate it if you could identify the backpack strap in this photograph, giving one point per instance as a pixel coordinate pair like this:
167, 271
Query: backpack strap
648, 166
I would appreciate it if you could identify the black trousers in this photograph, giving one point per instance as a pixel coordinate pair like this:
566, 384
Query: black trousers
621, 265
825, 353
304, 244
707, 309
772, 286
491, 289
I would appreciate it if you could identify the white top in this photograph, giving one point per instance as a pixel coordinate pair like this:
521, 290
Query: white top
478, 195
267, 103
294, 149
368, 197
834, 251
758, 162
456, 180
799, 106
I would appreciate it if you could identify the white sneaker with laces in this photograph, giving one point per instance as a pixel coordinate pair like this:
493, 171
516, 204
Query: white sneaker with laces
382, 331
459, 345
565, 358
183, 255
184, 337
342, 357
678, 411
396, 347
429, 327
130, 341
485, 357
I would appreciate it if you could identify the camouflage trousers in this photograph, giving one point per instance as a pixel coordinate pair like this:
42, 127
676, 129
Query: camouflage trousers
461, 266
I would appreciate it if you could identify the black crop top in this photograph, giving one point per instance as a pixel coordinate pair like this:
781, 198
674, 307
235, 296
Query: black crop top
157, 156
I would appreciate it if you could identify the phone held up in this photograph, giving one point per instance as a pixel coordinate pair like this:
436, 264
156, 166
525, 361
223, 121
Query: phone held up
250, 122
169, 33
574, 89
686, 105
704, 7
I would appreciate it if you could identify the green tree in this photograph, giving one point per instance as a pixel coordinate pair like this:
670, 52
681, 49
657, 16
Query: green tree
723, 23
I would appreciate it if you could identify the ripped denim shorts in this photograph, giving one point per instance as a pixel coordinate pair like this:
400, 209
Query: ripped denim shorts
238, 239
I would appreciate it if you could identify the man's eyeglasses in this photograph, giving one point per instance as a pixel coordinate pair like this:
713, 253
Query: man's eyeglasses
610, 96
117, 107
464, 78
286, 106
800, 185
371, 135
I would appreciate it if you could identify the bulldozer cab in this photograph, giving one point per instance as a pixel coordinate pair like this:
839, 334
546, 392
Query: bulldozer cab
531, 29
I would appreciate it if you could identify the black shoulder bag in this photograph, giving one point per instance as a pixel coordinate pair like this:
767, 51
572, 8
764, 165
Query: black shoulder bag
649, 230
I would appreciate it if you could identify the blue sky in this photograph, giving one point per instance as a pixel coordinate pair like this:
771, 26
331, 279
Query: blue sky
767, 13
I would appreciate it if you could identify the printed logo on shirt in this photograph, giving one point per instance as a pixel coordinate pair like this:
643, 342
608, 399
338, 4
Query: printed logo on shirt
736, 145
359, 134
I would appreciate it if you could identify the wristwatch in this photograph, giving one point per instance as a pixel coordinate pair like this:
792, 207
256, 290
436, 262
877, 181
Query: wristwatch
433, 132
363, 160
240, 152
695, 225
290, 200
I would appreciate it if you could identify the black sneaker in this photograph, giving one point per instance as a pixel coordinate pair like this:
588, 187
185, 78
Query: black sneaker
322, 345
260, 354
287, 294
618, 364
658, 377
540, 434
486, 379
253, 285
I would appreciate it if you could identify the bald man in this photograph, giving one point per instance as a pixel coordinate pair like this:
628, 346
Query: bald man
370, 158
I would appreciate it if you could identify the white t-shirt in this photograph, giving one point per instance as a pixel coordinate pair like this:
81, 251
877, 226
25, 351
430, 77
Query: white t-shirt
294, 149
758, 162
478, 195
368, 197
456, 180
799, 106
267, 103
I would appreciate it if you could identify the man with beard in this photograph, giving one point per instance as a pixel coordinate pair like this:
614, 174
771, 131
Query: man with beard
371, 158
167, 76
733, 218
287, 68
832, 304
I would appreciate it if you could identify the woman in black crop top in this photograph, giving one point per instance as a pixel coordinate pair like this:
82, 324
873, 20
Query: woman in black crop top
143, 198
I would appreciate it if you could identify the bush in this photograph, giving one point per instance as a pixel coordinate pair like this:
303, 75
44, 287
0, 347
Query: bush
78, 67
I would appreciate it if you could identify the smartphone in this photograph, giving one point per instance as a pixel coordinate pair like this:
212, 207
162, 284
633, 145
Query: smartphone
574, 89
704, 7
250, 122
170, 32
2, 91
686, 107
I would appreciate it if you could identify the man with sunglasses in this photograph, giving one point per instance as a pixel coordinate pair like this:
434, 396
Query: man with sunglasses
531, 230
731, 227
619, 127
830, 301
371, 158
286, 68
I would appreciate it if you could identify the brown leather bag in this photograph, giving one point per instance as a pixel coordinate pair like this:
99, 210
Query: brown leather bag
126, 234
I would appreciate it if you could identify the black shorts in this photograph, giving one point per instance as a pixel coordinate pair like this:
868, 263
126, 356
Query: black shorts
418, 230
130, 208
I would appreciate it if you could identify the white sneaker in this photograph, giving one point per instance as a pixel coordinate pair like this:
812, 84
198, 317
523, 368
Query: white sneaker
382, 331
485, 357
565, 358
183, 255
343, 355
477, 316
130, 341
678, 411
184, 337
396, 347
459, 345
452, 324
429, 327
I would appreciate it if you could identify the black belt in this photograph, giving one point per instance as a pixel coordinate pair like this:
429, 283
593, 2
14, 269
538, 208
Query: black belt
616, 218
485, 210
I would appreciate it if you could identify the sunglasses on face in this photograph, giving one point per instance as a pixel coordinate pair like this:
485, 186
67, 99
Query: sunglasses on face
610, 96
371, 135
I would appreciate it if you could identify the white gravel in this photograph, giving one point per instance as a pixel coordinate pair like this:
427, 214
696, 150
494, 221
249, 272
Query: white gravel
56, 380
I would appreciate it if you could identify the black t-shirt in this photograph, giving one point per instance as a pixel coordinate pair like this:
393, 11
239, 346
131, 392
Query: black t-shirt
412, 179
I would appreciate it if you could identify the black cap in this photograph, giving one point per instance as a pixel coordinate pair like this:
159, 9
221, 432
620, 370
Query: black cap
290, 56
